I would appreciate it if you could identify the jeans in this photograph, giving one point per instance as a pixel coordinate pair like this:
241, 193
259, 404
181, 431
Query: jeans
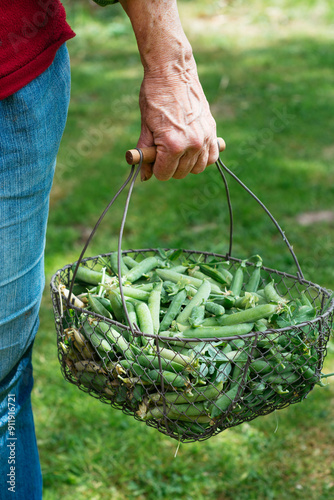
31, 126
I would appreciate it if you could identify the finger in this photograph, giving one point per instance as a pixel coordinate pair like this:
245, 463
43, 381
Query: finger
167, 160
165, 166
186, 164
202, 162
145, 140
146, 171
213, 152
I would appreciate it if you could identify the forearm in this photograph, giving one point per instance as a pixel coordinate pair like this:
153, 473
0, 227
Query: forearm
161, 40
175, 114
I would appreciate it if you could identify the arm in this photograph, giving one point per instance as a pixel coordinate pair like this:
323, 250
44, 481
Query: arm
175, 113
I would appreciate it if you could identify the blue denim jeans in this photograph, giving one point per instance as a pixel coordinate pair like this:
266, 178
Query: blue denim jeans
31, 126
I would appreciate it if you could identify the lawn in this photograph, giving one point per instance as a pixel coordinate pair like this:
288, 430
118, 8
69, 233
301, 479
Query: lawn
268, 75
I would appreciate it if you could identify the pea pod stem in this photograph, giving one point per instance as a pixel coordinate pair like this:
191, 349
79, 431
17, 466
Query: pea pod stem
327, 375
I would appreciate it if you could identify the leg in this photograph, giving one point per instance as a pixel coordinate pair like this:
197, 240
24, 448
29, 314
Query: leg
31, 123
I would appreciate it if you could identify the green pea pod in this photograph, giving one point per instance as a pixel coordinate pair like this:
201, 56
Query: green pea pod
213, 308
154, 306
87, 275
168, 377
206, 393
261, 366
145, 322
271, 294
223, 402
173, 310
216, 331
227, 301
196, 316
237, 281
253, 283
98, 307
114, 264
223, 276
116, 304
152, 362
201, 296
105, 302
249, 315
141, 268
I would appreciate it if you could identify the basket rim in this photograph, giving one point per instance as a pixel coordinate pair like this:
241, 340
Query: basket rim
325, 291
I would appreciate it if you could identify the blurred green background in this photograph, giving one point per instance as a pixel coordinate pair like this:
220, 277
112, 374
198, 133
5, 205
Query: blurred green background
267, 71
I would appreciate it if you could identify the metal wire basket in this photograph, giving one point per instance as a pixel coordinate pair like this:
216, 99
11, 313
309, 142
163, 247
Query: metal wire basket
207, 384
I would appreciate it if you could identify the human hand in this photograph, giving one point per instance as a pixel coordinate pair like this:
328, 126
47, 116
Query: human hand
174, 111
176, 118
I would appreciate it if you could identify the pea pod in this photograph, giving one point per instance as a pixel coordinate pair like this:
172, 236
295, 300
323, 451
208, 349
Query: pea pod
223, 402
173, 310
249, 315
168, 377
145, 322
206, 393
217, 331
237, 281
129, 261
261, 366
114, 264
141, 268
179, 412
98, 307
253, 283
201, 296
182, 280
88, 275
223, 276
135, 293
116, 304
152, 362
271, 294
213, 308
154, 306
105, 302
201, 276
196, 316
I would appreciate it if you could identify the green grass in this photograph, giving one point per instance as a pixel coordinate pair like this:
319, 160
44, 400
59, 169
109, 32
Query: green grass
267, 73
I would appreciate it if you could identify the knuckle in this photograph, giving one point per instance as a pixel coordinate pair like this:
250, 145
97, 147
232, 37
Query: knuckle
196, 143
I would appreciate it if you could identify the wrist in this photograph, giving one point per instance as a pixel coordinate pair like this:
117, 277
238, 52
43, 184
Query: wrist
162, 43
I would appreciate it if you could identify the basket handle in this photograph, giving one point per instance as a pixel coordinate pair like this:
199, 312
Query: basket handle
220, 166
132, 156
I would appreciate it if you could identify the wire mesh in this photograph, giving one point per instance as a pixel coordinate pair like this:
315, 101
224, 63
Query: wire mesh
192, 388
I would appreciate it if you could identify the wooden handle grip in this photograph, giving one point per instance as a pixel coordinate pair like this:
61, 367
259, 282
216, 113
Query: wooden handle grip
132, 156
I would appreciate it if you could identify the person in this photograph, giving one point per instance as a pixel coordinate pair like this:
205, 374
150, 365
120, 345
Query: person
34, 86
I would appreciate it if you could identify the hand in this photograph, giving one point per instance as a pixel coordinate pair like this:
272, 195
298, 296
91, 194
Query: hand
176, 118
174, 111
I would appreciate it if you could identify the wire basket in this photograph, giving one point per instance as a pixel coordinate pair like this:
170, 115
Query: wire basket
191, 388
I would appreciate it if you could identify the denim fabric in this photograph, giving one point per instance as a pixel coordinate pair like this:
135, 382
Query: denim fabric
31, 126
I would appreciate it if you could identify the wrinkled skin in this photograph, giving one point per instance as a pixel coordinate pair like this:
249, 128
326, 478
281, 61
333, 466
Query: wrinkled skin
175, 114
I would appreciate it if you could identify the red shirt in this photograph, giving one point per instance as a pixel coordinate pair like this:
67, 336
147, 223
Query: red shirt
31, 31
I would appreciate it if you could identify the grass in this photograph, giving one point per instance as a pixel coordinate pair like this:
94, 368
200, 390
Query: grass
268, 77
